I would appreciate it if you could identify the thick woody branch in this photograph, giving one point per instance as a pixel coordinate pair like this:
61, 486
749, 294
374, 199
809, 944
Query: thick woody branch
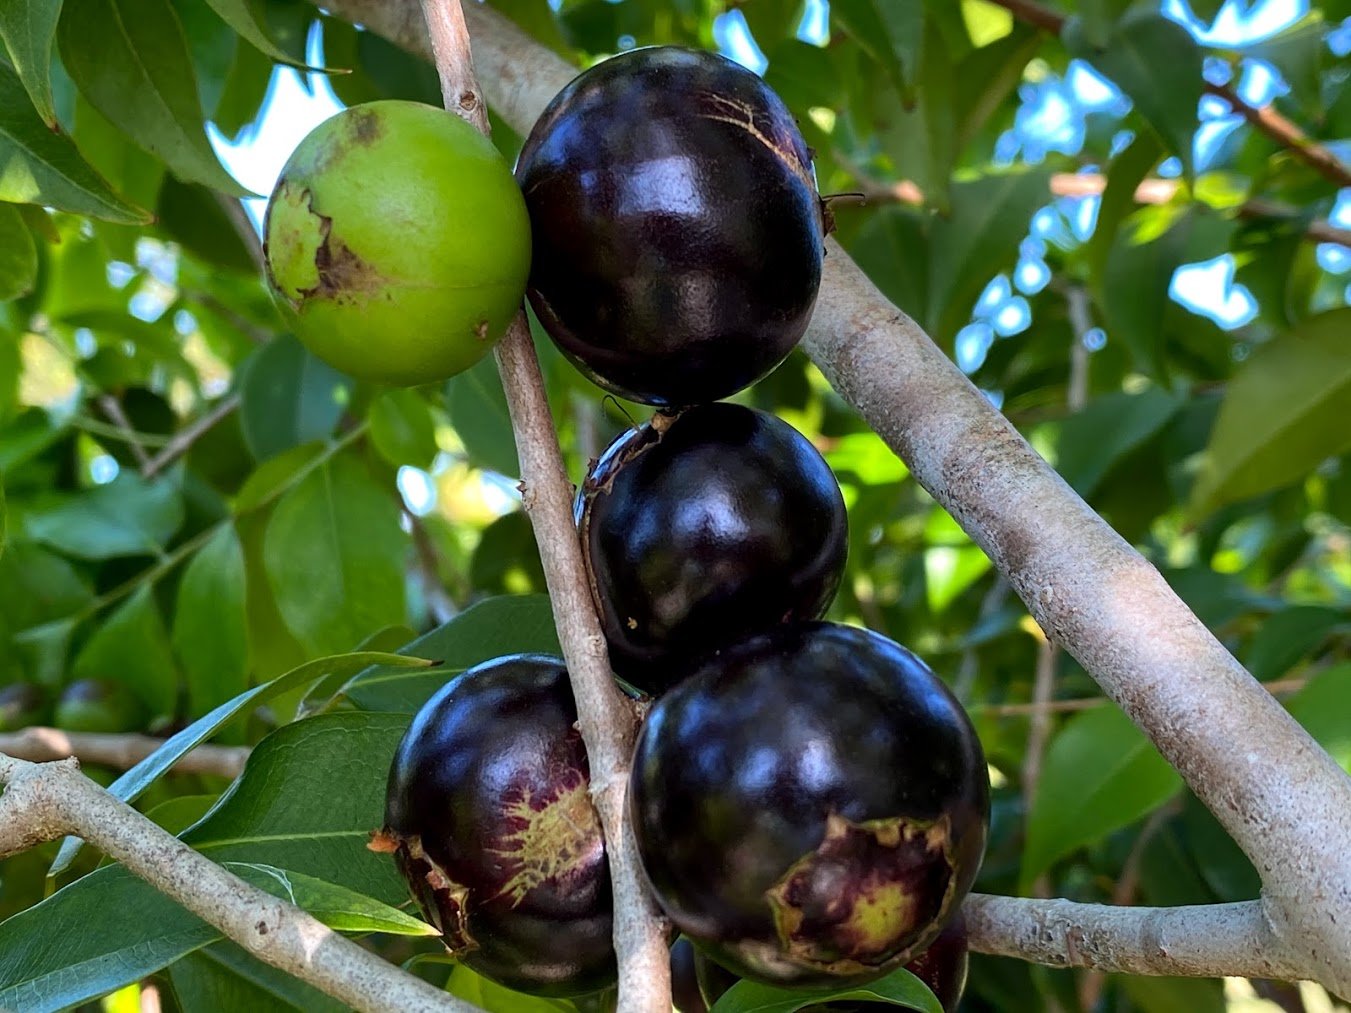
47, 801
605, 718
121, 752
1284, 801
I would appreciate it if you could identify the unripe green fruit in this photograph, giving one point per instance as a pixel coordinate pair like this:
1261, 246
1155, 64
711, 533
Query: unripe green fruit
397, 243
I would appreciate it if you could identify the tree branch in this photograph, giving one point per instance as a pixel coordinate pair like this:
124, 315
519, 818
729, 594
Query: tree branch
1285, 802
605, 718
47, 801
182, 441
1266, 120
121, 752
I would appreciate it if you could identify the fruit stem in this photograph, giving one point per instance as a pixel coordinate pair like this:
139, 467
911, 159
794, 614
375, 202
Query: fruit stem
606, 721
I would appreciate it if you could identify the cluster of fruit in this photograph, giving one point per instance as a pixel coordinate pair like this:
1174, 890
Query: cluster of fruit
809, 801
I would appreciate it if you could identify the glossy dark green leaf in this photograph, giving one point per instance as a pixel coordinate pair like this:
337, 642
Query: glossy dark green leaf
478, 414
1289, 635
334, 554
248, 18
289, 397
402, 429
127, 517
1100, 774
891, 33
1099, 19
899, 988
893, 248
131, 61
131, 647
42, 166
336, 906
1323, 707
192, 215
1124, 175
130, 785
212, 45
27, 29
1157, 63
18, 255
1112, 426
987, 77
510, 624
1175, 995
494, 998
1282, 415
210, 626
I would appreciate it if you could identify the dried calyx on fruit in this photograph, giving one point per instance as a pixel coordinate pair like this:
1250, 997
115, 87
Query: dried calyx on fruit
811, 806
488, 813
397, 243
702, 529
678, 233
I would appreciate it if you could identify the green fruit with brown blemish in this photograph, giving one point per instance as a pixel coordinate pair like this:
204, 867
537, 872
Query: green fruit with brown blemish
397, 243
811, 806
488, 813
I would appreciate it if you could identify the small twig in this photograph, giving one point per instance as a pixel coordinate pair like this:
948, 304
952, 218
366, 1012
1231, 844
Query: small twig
183, 440
46, 801
1081, 322
442, 608
255, 333
248, 235
1038, 735
112, 410
119, 751
606, 721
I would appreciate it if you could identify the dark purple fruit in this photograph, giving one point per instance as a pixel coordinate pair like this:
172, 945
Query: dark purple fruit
22, 704
489, 815
99, 705
943, 967
702, 530
811, 806
678, 233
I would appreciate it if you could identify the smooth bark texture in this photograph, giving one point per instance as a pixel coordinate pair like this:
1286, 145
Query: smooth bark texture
119, 751
45, 801
1281, 797
604, 716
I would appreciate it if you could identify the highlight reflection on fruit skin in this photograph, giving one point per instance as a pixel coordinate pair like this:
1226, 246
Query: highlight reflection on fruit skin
678, 234
811, 807
488, 813
702, 529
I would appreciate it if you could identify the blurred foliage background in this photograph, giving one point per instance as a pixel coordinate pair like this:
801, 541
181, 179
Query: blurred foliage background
1126, 221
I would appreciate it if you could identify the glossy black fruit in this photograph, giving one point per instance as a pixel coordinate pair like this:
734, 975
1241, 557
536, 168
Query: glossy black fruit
810, 807
23, 704
677, 229
701, 530
943, 967
99, 705
489, 816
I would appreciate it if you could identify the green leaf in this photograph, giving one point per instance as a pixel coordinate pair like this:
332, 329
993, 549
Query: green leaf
210, 623
4, 518
1298, 53
900, 988
130, 59
129, 786
37, 586
289, 397
494, 998
18, 255
990, 217
223, 976
275, 475
27, 28
1099, 19
1323, 707
510, 624
1289, 635
336, 906
987, 76
126, 517
1112, 426
131, 647
478, 413
193, 216
1100, 775
893, 248
42, 166
307, 800
1283, 413
891, 33
334, 554
247, 18
1174, 995
402, 428
1127, 170
1157, 63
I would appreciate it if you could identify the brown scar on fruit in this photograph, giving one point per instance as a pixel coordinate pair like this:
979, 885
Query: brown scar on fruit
555, 836
442, 899
726, 109
340, 273
365, 126
856, 902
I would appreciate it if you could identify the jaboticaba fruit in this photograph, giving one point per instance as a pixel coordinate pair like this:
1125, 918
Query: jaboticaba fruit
397, 243
489, 817
678, 233
701, 530
810, 807
943, 967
